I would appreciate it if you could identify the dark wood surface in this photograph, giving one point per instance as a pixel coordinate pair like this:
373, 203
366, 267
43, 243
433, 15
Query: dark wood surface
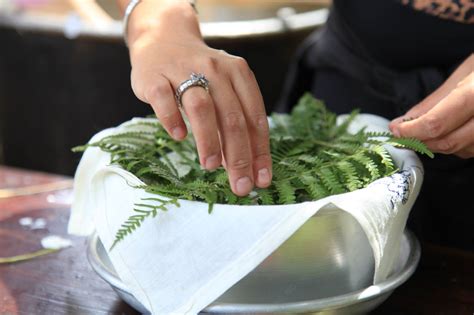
59, 283
64, 283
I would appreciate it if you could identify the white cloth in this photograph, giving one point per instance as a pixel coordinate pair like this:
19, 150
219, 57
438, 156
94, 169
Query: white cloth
185, 258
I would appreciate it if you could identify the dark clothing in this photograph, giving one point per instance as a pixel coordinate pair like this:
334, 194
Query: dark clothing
403, 38
349, 65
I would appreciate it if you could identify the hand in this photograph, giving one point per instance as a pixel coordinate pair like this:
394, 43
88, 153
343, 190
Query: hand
229, 124
445, 119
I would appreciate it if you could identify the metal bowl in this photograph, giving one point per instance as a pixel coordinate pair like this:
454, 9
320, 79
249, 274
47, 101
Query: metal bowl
326, 267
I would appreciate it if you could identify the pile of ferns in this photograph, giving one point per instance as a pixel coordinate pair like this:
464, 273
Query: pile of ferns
313, 157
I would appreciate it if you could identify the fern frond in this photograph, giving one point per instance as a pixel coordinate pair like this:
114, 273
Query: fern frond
386, 158
378, 134
349, 172
329, 177
265, 197
136, 220
316, 190
286, 192
368, 163
412, 144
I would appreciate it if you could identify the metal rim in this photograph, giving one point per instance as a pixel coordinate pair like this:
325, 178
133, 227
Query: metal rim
335, 302
210, 30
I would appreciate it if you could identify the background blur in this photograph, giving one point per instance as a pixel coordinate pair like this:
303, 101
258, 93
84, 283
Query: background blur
65, 72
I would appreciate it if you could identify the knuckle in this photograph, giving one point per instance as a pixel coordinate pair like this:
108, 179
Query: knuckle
262, 150
169, 119
263, 157
234, 121
260, 122
447, 146
241, 62
156, 90
239, 165
434, 126
243, 66
211, 64
198, 104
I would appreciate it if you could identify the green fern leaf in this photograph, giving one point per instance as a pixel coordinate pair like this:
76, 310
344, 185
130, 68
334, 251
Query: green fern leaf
412, 144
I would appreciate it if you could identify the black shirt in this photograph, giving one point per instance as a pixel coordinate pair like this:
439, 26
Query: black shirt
404, 34
385, 56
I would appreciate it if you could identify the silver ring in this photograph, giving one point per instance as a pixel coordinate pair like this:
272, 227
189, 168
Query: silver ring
195, 80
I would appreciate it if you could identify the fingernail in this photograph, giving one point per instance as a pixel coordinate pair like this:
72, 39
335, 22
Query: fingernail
212, 162
243, 185
263, 176
178, 133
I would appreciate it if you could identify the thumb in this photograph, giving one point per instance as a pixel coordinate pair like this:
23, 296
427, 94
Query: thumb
419, 109
415, 112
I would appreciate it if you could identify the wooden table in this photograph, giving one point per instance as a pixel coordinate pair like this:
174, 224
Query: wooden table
64, 283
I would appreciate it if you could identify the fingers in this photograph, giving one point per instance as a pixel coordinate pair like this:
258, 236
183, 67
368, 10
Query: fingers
422, 108
229, 124
248, 92
449, 114
459, 142
160, 95
236, 146
448, 127
200, 110
456, 78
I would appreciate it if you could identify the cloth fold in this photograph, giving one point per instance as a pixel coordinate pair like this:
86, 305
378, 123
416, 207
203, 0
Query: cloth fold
185, 258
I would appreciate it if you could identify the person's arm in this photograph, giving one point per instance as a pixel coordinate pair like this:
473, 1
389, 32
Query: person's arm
229, 123
162, 17
445, 119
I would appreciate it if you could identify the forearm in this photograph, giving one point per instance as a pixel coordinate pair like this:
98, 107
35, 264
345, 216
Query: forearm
162, 19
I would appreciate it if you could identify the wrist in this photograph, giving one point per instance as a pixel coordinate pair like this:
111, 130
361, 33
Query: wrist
162, 19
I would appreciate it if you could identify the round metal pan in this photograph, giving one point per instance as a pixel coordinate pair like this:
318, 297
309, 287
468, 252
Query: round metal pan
286, 286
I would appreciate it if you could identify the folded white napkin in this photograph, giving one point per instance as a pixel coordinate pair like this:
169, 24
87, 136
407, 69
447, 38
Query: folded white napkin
185, 258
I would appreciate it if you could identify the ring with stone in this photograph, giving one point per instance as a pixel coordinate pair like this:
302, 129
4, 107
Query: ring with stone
194, 80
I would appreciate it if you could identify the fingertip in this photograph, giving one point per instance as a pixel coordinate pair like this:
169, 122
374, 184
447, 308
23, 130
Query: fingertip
393, 126
178, 133
264, 178
243, 186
